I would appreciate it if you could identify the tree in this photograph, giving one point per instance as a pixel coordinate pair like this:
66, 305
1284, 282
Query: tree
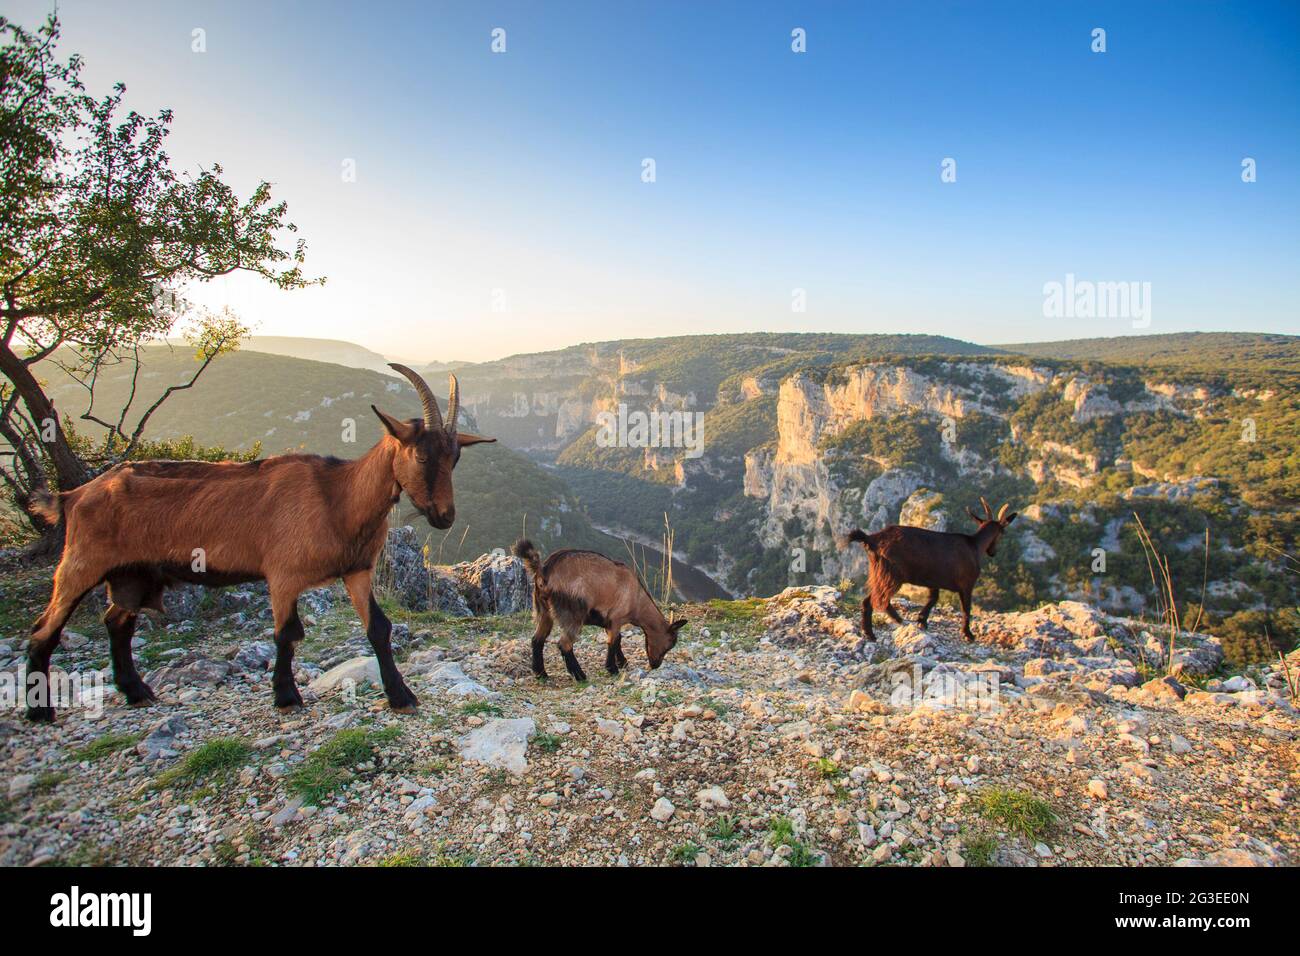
99, 235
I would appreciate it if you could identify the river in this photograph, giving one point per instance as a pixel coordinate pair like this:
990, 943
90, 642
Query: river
690, 582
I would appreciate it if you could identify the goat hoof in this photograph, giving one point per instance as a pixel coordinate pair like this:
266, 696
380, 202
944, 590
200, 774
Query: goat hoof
139, 695
406, 703
40, 715
540, 675
287, 699
580, 678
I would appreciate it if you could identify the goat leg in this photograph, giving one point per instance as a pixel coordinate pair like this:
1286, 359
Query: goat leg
866, 619
40, 696
614, 659
400, 697
45, 638
571, 659
924, 618
544, 625
287, 635
965, 615
120, 623
379, 631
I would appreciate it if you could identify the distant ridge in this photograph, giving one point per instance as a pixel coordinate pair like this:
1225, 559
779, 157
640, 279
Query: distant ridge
1202, 350
334, 351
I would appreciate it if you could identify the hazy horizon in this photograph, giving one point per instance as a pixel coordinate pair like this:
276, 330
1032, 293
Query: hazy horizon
498, 205
422, 360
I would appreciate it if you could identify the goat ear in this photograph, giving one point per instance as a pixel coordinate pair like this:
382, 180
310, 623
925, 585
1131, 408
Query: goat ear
465, 438
1009, 518
677, 625
402, 431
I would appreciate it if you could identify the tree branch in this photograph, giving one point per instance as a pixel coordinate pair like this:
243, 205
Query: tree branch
212, 353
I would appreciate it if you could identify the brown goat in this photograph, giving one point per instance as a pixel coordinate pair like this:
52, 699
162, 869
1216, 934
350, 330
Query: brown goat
901, 554
295, 521
582, 587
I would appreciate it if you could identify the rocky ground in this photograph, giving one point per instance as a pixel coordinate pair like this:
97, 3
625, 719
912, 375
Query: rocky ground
774, 735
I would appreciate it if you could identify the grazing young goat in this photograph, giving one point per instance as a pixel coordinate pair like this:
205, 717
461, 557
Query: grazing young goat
297, 521
583, 587
936, 560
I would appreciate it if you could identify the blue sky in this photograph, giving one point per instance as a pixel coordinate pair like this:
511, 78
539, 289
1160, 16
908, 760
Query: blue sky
498, 205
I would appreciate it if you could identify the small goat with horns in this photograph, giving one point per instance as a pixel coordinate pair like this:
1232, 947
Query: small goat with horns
938, 560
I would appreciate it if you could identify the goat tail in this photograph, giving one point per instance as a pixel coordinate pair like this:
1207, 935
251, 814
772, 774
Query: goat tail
48, 506
883, 581
860, 536
532, 558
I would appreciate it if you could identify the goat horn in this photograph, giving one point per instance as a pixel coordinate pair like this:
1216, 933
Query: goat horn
432, 417
453, 403
1003, 510
988, 512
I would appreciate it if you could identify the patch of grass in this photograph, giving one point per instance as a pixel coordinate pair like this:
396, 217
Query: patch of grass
1017, 811
830, 771
789, 597
979, 848
89, 854
225, 853
547, 743
685, 853
437, 766
742, 611
101, 747
715, 705
444, 857
827, 767
153, 653
216, 758
415, 620
49, 780
669, 695
496, 779
403, 858
481, 708
724, 829
780, 832
333, 765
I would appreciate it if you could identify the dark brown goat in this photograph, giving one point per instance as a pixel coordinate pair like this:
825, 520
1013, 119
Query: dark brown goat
575, 588
296, 521
937, 560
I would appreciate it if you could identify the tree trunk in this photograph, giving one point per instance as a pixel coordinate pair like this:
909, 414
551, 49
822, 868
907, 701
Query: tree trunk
70, 470
48, 546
